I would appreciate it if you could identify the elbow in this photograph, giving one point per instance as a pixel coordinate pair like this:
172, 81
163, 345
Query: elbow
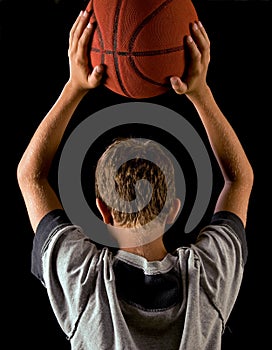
27, 174
251, 175
22, 174
248, 176
245, 178
241, 176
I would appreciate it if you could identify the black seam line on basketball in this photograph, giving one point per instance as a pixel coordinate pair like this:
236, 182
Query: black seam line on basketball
145, 21
100, 38
141, 75
134, 37
115, 54
142, 53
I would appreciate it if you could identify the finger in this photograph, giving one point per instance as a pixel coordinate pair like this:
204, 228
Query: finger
178, 86
84, 39
203, 31
193, 52
78, 30
81, 25
72, 30
89, 7
201, 39
96, 76
89, 10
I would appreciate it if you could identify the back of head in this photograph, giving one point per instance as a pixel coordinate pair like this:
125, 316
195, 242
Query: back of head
135, 179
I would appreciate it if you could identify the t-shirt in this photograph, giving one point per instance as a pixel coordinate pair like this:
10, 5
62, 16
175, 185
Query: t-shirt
116, 300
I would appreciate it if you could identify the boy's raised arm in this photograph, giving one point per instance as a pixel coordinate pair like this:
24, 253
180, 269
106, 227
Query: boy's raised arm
34, 166
232, 160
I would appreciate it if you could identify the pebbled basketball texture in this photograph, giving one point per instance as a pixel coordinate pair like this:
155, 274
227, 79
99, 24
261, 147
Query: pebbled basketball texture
141, 43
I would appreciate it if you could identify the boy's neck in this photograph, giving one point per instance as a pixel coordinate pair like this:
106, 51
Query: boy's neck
153, 251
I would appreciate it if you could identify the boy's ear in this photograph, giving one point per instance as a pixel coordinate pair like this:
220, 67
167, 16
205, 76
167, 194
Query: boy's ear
173, 211
104, 211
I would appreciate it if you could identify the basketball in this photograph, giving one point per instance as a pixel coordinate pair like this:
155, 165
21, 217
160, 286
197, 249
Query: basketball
141, 43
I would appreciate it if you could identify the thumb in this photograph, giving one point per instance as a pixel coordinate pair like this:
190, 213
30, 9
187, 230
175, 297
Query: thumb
178, 86
96, 76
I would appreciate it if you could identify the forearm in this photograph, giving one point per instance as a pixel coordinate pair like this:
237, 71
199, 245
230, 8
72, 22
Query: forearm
225, 144
39, 154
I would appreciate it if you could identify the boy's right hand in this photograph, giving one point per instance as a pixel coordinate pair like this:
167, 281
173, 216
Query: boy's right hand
82, 76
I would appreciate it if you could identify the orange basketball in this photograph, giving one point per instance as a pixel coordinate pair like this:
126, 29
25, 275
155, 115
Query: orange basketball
141, 42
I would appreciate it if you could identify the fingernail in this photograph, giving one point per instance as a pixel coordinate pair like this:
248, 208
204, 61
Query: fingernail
200, 24
190, 39
195, 26
174, 80
80, 13
85, 14
89, 25
99, 69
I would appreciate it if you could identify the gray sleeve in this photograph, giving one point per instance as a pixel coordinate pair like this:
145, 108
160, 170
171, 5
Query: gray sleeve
48, 225
221, 250
232, 221
69, 261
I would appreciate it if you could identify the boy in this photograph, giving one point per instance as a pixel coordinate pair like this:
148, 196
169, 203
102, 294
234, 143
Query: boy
140, 297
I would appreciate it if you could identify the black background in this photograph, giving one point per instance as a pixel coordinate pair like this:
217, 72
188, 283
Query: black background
34, 67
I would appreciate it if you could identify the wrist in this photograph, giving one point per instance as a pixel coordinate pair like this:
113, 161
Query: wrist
200, 95
73, 91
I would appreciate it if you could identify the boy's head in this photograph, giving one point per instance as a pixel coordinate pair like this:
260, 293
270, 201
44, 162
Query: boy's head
135, 184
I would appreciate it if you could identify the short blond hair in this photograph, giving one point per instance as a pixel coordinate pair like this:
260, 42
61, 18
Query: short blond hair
134, 160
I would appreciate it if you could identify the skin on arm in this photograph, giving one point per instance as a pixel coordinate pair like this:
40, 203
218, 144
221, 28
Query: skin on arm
230, 155
34, 166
